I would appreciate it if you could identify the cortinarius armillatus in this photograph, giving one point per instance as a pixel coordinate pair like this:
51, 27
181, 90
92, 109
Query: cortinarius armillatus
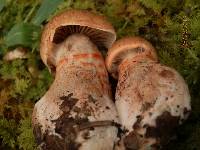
151, 99
77, 112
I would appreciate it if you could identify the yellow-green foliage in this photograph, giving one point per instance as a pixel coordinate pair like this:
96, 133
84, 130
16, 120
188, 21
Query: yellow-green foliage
173, 27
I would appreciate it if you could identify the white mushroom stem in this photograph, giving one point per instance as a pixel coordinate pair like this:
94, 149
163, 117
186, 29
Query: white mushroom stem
150, 99
79, 96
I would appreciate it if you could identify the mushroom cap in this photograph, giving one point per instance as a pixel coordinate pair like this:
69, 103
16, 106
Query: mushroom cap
128, 48
100, 31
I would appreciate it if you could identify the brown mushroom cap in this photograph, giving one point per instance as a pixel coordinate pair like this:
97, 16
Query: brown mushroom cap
100, 31
128, 47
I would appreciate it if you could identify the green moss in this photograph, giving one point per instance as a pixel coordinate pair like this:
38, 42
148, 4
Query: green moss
172, 26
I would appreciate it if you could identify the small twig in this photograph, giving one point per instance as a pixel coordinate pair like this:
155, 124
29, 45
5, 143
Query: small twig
96, 124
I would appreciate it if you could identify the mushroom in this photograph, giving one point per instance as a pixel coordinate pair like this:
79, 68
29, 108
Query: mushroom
77, 112
151, 99
18, 53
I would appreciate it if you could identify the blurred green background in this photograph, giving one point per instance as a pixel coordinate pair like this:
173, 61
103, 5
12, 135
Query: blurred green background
173, 27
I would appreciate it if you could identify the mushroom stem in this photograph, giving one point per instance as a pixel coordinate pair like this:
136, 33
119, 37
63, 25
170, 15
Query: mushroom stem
132, 62
151, 99
79, 97
77, 51
97, 124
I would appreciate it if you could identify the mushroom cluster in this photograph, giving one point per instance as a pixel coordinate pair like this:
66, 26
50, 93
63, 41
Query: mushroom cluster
151, 99
78, 111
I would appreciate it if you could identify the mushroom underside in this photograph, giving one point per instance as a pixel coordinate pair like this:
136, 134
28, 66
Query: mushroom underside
99, 37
